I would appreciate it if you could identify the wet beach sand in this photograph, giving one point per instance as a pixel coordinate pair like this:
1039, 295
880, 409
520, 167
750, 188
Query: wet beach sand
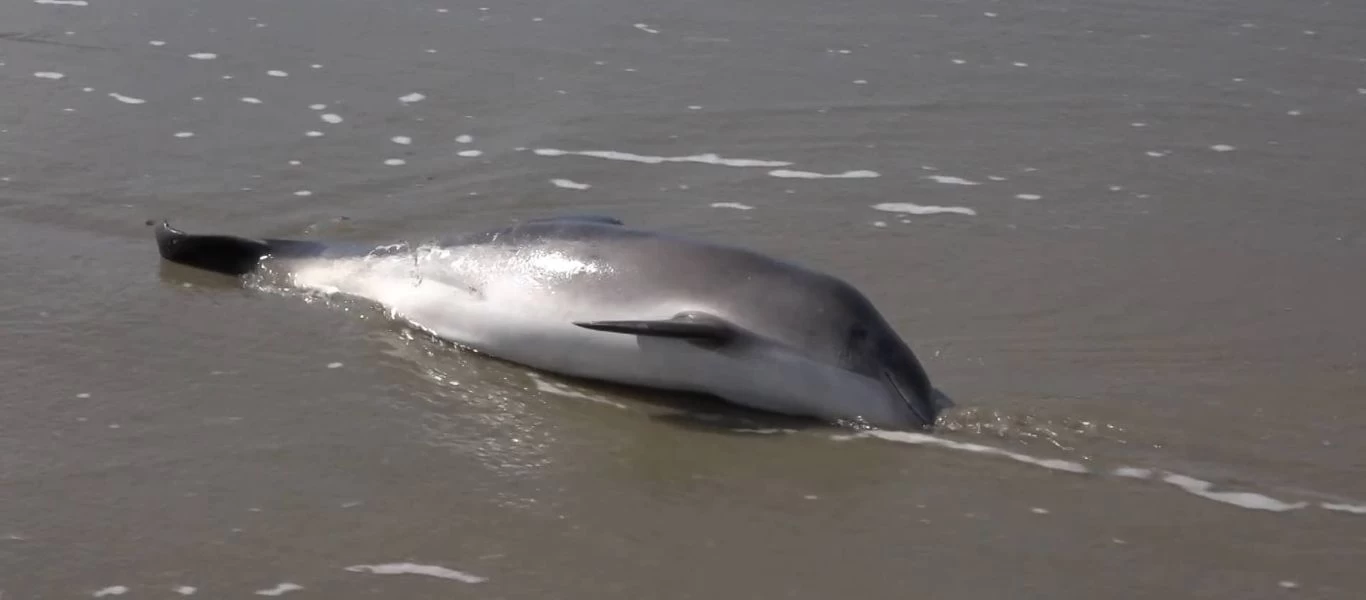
1126, 236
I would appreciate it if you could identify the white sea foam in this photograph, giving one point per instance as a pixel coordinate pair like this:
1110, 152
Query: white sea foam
63, 2
304, 193
413, 97
1133, 472
1249, 500
184, 134
922, 439
280, 590
710, 159
157, 43
313, 133
401, 140
918, 209
317, 106
1356, 509
951, 180
1222, 148
277, 73
646, 28
127, 99
250, 100
53, 75
734, 205
1192, 485
788, 173
331, 118
1028, 196
569, 184
113, 590
203, 56
395, 162
185, 590
464, 138
334, 365
416, 569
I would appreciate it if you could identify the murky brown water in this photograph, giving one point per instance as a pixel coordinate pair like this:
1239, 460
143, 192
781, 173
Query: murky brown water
1161, 274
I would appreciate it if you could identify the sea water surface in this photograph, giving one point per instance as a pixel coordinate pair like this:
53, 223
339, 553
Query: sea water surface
1126, 236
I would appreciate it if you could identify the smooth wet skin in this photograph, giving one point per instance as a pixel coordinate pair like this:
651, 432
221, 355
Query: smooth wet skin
591, 297
1127, 235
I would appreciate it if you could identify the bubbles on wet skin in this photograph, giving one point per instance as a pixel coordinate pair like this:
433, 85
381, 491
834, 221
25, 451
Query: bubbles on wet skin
539, 266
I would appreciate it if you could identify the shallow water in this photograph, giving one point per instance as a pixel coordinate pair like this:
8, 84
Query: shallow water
1125, 236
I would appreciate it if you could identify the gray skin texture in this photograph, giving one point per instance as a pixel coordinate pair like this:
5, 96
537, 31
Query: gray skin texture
754, 295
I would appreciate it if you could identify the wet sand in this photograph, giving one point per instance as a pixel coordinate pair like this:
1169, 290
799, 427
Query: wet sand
1125, 236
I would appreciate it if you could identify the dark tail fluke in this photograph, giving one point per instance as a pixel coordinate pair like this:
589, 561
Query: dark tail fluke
225, 254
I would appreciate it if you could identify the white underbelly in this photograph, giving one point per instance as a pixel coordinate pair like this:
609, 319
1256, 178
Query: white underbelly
526, 322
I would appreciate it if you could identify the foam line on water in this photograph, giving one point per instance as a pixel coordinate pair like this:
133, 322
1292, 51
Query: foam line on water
416, 569
951, 180
921, 439
1191, 485
569, 184
791, 174
734, 205
922, 209
1248, 500
126, 99
707, 158
280, 590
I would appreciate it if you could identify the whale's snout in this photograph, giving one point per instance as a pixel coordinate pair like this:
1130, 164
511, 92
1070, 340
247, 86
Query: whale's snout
923, 408
907, 382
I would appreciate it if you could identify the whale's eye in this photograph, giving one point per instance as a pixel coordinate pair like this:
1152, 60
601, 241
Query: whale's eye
857, 334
